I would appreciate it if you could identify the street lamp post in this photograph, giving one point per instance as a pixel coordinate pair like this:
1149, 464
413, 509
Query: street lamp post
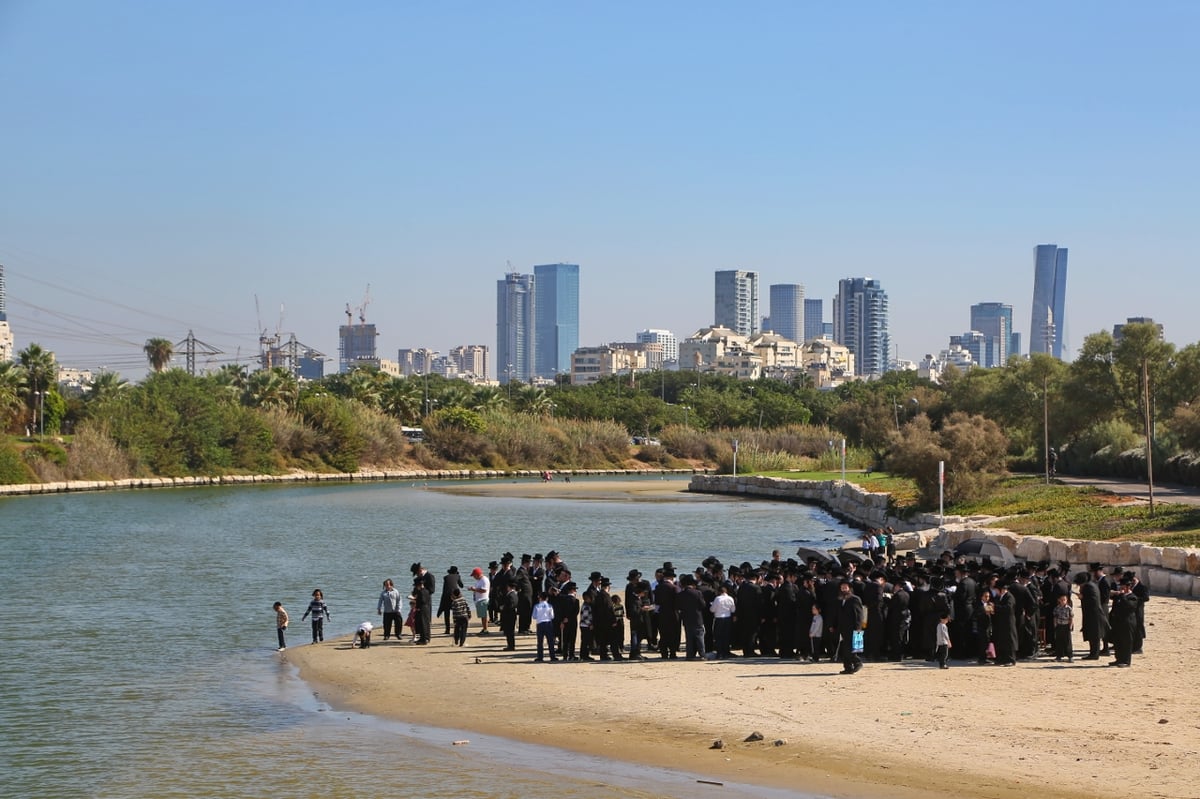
508, 371
42, 415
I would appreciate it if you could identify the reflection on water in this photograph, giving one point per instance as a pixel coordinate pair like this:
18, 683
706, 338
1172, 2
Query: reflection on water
137, 632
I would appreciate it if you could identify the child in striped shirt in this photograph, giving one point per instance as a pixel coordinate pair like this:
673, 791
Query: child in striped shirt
320, 612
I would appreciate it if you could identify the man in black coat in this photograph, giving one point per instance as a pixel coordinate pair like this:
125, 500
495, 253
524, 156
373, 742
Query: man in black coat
1027, 616
524, 585
899, 617
1004, 626
1095, 621
875, 636
450, 580
847, 621
691, 617
1122, 622
786, 598
423, 587
666, 597
749, 611
965, 592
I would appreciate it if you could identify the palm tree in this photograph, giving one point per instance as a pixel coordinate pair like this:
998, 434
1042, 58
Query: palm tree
105, 386
487, 398
40, 373
12, 390
158, 353
274, 389
534, 400
402, 400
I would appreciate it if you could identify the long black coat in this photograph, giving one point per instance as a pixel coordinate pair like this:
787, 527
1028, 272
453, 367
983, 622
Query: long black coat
1095, 622
1004, 628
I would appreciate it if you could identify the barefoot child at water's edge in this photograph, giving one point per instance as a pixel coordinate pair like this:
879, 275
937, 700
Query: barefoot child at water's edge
281, 623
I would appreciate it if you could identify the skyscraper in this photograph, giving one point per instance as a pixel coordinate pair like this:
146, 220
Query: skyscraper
6, 335
814, 319
515, 327
557, 310
736, 304
787, 310
994, 321
1048, 319
860, 323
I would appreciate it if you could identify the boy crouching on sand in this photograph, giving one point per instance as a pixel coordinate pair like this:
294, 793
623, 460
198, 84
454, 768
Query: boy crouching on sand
362, 636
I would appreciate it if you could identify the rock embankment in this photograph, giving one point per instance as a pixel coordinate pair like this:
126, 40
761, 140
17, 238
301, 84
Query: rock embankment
1166, 570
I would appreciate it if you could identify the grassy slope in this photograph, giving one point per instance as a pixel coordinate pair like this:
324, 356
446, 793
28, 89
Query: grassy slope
1029, 507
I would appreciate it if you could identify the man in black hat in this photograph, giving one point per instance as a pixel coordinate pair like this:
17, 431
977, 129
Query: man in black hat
1122, 622
691, 617
749, 610
604, 623
1004, 625
665, 596
847, 621
1095, 621
1106, 585
524, 595
962, 635
423, 587
494, 593
450, 581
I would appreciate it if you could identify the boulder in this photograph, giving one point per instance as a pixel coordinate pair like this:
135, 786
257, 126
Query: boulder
1181, 584
1033, 548
1174, 558
1150, 556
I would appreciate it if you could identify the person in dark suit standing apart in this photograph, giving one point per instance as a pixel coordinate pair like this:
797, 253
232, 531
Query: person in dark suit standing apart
450, 581
1095, 621
1139, 590
848, 620
423, 588
1122, 622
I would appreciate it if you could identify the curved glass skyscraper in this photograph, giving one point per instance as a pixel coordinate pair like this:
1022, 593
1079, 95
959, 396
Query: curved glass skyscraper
1046, 323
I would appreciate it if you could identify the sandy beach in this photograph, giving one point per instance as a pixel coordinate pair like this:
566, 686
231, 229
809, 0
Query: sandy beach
650, 487
896, 730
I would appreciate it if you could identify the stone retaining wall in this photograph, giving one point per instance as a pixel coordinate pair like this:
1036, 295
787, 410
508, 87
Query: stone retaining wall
1166, 570
306, 477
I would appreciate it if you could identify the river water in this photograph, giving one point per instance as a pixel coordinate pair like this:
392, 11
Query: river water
137, 637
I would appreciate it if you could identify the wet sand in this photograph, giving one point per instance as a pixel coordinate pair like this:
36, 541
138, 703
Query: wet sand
650, 487
894, 730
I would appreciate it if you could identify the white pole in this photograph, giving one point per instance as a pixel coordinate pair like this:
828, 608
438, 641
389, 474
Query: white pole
941, 495
843, 460
735, 457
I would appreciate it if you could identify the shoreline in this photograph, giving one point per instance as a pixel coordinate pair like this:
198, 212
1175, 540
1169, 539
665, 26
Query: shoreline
900, 730
373, 475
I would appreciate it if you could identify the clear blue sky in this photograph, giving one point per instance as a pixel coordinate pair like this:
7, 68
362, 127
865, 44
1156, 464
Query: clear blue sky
164, 162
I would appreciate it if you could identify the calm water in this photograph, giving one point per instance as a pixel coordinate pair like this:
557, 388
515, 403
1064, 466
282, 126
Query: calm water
137, 636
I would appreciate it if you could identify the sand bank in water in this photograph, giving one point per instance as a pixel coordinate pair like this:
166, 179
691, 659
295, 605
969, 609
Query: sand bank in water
894, 730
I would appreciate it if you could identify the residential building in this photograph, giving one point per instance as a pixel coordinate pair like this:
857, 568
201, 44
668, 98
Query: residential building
828, 364
787, 311
310, 365
356, 346
985, 351
470, 360
416, 361
776, 351
814, 320
736, 305
995, 321
589, 364
1136, 320
860, 322
516, 323
702, 350
557, 317
1048, 317
668, 347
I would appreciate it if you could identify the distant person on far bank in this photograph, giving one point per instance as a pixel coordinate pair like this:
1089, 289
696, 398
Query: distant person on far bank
281, 623
1051, 461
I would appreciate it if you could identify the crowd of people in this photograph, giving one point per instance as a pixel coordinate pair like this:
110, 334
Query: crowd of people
876, 607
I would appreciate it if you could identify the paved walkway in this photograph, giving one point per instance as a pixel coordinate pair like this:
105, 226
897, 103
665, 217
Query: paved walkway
1164, 492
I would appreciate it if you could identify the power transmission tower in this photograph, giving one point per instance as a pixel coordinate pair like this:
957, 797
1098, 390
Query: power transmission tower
191, 345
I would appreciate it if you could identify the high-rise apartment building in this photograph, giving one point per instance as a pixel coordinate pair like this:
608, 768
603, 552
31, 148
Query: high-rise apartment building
470, 360
516, 325
995, 321
814, 319
736, 304
356, 346
557, 312
669, 347
787, 310
860, 323
7, 343
1048, 319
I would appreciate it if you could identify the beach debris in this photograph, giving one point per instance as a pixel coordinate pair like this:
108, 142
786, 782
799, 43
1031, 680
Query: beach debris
710, 782
460, 743
780, 741
1162, 721
717, 744
478, 660
754, 736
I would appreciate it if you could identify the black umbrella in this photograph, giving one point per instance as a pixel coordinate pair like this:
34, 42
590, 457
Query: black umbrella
985, 548
845, 556
804, 553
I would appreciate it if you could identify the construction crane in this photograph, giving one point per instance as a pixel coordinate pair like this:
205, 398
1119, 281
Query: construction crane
362, 309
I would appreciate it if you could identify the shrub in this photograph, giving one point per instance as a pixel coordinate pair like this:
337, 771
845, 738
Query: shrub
339, 442
13, 468
972, 448
95, 456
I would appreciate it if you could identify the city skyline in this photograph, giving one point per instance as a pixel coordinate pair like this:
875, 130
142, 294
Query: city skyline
419, 149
